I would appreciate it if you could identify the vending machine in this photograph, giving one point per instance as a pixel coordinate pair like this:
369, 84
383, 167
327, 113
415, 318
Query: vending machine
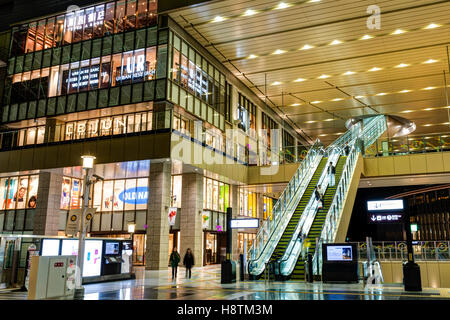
112, 258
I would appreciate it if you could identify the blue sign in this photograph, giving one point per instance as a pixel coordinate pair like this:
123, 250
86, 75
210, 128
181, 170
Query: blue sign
137, 195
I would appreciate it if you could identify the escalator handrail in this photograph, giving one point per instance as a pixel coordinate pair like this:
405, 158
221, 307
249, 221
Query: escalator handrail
315, 151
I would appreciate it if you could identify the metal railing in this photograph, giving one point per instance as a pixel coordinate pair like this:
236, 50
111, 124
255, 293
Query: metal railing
372, 128
271, 230
397, 250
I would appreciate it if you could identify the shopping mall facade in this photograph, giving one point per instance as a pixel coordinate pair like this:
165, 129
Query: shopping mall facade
170, 127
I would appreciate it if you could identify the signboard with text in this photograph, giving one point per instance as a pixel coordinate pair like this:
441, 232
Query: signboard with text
385, 211
244, 223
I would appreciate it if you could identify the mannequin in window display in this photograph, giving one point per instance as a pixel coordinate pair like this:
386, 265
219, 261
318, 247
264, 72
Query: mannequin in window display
65, 197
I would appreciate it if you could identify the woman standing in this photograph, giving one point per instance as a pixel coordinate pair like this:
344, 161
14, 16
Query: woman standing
188, 261
173, 261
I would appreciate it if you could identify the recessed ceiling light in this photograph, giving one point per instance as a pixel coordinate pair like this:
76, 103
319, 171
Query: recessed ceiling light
445, 123
358, 97
349, 73
276, 83
218, 19
295, 104
404, 91
427, 125
312, 121
432, 26
324, 76
316, 102
381, 94
328, 120
429, 88
428, 109
402, 65
252, 56
430, 61
398, 31
299, 80
337, 99
407, 111
282, 5
279, 51
323, 135
250, 12
334, 42
314, 0
375, 69
306, 47
366, 37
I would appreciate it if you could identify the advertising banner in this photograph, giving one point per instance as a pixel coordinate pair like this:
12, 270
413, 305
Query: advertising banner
172, 215
206, 220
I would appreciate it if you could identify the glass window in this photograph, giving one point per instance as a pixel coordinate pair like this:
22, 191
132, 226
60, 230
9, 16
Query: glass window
130, 189
120, 16
98, 20
49, 33
32, 191
119, 187
176, 191
97, 196
3, 192
131, 14
184, 72
40, 35
215, 195
12, 190
75, 194
108, 196
31, 37
116, 69
176, 65
109, 19
142, 13
142, 194
20, 196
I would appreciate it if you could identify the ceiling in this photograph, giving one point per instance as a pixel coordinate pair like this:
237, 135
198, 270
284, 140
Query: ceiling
316, 85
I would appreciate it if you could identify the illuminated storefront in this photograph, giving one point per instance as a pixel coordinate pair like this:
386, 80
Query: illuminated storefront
242, 238
248, 204
18, 200
268, 207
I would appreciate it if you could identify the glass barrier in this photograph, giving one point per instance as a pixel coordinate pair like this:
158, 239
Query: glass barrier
271, 230
397, 250
59, 131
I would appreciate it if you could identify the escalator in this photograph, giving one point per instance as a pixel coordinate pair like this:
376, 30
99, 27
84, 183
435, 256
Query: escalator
316, 228
288, 232
296, 216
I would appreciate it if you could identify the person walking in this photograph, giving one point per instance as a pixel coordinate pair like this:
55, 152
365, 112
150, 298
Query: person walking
320, 195
173, 261
188, 262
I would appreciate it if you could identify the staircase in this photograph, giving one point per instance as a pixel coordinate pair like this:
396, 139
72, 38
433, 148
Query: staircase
287, 234
299, 270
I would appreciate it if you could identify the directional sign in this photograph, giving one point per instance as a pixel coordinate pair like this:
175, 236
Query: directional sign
385, 217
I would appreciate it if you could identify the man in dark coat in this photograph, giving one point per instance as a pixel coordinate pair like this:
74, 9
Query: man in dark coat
188, 262
174, 261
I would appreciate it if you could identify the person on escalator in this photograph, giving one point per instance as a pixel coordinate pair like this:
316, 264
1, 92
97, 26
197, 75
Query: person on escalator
332, 173
320, 196
346, 149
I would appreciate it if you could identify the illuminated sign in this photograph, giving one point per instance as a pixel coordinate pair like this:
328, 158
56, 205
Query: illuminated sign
172, 216
244, 223
81, 78
385, 205
385, 218
138, 195
134, 67
80, 20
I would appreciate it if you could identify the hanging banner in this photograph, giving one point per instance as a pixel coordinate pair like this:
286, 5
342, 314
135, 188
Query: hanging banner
172, 216
206, 220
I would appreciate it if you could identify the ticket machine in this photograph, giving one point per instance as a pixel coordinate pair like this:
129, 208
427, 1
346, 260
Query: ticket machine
112, 258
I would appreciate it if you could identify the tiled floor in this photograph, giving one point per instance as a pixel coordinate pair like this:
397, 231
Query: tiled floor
205, 285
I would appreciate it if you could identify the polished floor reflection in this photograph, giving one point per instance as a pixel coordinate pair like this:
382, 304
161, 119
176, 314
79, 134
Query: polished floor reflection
205, 285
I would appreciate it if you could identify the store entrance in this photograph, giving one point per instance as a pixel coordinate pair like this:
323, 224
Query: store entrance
173, 242
138, 249
215, 247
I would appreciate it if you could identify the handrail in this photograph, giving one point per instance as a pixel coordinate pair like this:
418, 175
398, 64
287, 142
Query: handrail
373, 128
283, 209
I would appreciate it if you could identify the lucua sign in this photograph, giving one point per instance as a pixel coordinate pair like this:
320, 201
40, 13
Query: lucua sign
138, 195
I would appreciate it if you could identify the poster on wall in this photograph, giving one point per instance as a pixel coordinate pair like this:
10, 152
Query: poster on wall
3, 192
206, 220
172, 216
32, 191
11, 203
75, 194
20, 197
65, 194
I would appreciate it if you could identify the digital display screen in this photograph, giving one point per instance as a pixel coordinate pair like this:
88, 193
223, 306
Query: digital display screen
112, 248
339, 253
127, 246
385, 205
50, 247
69, 247
92, 258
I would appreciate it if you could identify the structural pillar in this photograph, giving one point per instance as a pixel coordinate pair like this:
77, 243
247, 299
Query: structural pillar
157, 246
191, 233
46, 217
234, 234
